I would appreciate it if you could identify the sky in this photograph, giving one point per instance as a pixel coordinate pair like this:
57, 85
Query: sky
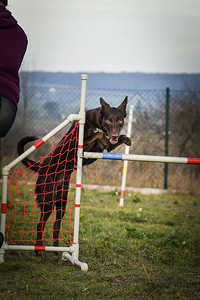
110, 35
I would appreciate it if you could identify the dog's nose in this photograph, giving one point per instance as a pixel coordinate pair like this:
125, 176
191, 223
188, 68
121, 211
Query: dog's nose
114, 135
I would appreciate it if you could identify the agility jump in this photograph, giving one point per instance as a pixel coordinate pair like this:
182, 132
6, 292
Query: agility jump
72, 252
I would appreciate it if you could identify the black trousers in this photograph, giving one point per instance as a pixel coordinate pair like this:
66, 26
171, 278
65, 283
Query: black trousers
8, 110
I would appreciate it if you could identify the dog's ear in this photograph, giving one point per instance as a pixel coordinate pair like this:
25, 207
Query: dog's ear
104, 105
122, 106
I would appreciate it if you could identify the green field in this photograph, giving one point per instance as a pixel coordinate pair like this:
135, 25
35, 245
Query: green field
150, 249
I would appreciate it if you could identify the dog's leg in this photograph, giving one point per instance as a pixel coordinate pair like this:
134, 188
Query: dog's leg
89, 142
60, 211
46, 211
96, 143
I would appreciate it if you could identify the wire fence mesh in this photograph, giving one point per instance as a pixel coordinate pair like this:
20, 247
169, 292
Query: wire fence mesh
42, 108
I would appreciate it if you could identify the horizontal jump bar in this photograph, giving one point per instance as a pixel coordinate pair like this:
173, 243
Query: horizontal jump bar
36, 248
150, 158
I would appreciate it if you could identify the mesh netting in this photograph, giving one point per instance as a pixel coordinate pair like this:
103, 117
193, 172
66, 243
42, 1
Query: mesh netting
50, 190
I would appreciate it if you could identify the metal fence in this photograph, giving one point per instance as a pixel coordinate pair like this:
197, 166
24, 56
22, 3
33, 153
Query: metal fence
165, 122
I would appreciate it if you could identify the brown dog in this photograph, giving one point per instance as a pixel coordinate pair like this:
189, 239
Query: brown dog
102, 131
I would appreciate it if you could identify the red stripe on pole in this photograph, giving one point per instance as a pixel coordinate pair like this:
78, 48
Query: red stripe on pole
39, 248
195, 161
78, 185
3, 208
80, 146
38, 144
77, 205
122, 194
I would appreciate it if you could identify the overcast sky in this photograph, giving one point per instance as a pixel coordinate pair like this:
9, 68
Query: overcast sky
110, 35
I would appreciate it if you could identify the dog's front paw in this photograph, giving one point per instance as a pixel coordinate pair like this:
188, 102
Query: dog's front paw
123, 139
128, 141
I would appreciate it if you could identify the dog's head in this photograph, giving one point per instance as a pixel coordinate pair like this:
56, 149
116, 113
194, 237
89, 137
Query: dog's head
113, 119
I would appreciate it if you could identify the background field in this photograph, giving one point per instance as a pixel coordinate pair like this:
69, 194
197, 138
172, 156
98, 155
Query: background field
147, 250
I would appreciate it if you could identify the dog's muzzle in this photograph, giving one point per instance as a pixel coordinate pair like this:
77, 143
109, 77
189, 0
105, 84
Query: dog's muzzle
114, 139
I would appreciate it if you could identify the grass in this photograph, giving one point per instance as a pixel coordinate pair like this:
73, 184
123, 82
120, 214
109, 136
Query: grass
147, 250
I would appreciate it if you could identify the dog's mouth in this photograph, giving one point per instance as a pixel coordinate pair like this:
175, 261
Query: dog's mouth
113, 140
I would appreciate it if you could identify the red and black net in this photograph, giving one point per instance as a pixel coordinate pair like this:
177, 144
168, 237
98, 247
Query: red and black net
50, 191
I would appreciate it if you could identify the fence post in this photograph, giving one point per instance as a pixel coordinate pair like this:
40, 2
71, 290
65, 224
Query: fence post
125, 167
166, 136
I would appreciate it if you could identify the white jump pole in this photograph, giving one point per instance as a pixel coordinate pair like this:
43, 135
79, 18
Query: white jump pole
75, 253
125, 166
147, 158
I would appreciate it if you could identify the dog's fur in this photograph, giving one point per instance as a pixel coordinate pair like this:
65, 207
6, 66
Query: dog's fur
102, 131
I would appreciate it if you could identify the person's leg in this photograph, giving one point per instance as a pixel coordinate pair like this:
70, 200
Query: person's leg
8, 110
1, 239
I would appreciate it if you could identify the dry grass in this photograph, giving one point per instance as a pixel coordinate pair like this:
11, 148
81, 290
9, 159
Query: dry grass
147, 250
181, 179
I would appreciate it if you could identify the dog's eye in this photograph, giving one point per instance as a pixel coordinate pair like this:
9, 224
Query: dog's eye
119, 122
108, 122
